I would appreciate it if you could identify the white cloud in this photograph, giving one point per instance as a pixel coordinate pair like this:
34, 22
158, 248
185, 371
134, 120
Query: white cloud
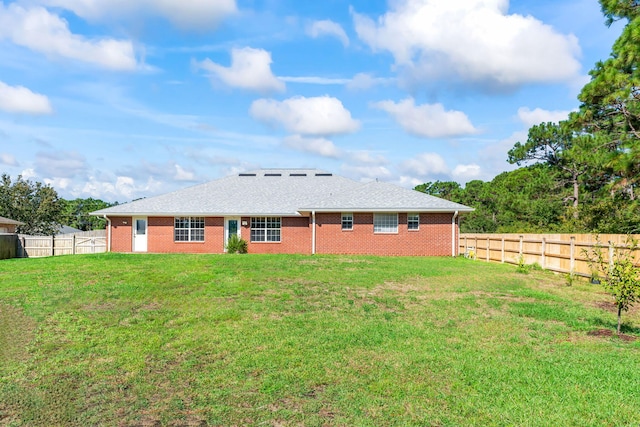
320, 146
365, 157
408, 181
19, 99
29, 173
41, 31
8, 159
465, 173
60, 164
328, 28
493, 156
250, 69
477, 41
322, 116
425, 165
427, 120
362, 81
123, 189
183, 175
535, 117
58, 183
315, 80
366, 173
186, 14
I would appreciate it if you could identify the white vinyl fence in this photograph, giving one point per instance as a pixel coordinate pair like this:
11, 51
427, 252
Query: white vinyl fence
85, 242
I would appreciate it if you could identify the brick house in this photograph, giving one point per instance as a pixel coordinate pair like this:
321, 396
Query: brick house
302, 211
9, 225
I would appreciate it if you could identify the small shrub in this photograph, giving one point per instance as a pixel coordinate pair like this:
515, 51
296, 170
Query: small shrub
522, 266
236, 245
617, 273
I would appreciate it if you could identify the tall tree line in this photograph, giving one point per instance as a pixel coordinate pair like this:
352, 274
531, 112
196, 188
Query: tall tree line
579, 175
38, 206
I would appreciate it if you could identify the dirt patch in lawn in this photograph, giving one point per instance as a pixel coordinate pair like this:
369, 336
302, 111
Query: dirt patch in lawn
607, 306
16, 332
607, 333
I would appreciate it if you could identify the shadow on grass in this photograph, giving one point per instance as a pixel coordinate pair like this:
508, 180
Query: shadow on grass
625, 328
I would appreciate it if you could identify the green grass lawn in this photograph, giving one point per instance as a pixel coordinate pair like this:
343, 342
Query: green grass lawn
191, 340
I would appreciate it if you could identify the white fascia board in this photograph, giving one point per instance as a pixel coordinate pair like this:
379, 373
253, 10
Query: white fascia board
388, 210
204, 214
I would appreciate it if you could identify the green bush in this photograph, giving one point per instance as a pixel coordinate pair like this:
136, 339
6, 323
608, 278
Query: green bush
236, 245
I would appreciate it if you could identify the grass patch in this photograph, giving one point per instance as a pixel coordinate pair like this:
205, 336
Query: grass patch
131, 340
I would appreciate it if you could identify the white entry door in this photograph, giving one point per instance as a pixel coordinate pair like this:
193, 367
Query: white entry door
139, 234
231, 227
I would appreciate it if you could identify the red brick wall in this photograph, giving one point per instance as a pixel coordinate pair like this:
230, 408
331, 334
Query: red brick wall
121, 234
432, 239
161, 238
295, 237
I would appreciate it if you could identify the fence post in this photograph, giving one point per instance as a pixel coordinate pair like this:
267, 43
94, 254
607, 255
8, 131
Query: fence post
521, 245
476, 254
502, 251
488, 248
611, 253
73, 244
53, 246
544, 249
572, 257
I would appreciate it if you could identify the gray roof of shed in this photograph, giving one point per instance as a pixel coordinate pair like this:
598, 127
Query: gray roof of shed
283, 192
4, 220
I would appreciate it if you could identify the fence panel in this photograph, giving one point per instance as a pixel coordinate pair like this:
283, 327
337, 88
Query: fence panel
563, 253
87, 242
8, 246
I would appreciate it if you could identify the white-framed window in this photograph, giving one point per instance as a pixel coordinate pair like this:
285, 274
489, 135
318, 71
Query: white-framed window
413, 221
385, 222
188, 229
265, 229
347, 221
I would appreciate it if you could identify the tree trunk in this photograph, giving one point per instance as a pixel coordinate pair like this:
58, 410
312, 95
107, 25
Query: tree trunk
576, 194
619, 317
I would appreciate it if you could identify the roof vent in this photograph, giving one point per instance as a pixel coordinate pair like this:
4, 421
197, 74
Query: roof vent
272, 174
297, 174
324, 174
247, 174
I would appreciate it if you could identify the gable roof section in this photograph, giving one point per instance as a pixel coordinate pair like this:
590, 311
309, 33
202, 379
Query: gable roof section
283, 192
275, 192
384, 197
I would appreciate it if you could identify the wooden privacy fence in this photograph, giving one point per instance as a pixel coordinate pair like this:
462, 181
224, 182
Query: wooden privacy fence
86, 242
8, 246
563, 253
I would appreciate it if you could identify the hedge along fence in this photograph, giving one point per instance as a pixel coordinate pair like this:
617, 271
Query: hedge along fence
563, 253
86, 242
8, 246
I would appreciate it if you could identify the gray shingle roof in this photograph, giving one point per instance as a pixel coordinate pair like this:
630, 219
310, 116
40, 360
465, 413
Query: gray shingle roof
382, 196
283, 192
4, 220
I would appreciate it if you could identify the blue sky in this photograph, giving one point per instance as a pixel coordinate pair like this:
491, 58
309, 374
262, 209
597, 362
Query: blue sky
121, 99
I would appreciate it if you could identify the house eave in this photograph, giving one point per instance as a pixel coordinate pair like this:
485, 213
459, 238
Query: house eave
387, 210
199, 214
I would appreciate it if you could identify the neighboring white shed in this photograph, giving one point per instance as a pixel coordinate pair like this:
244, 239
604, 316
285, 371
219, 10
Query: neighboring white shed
9, 225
